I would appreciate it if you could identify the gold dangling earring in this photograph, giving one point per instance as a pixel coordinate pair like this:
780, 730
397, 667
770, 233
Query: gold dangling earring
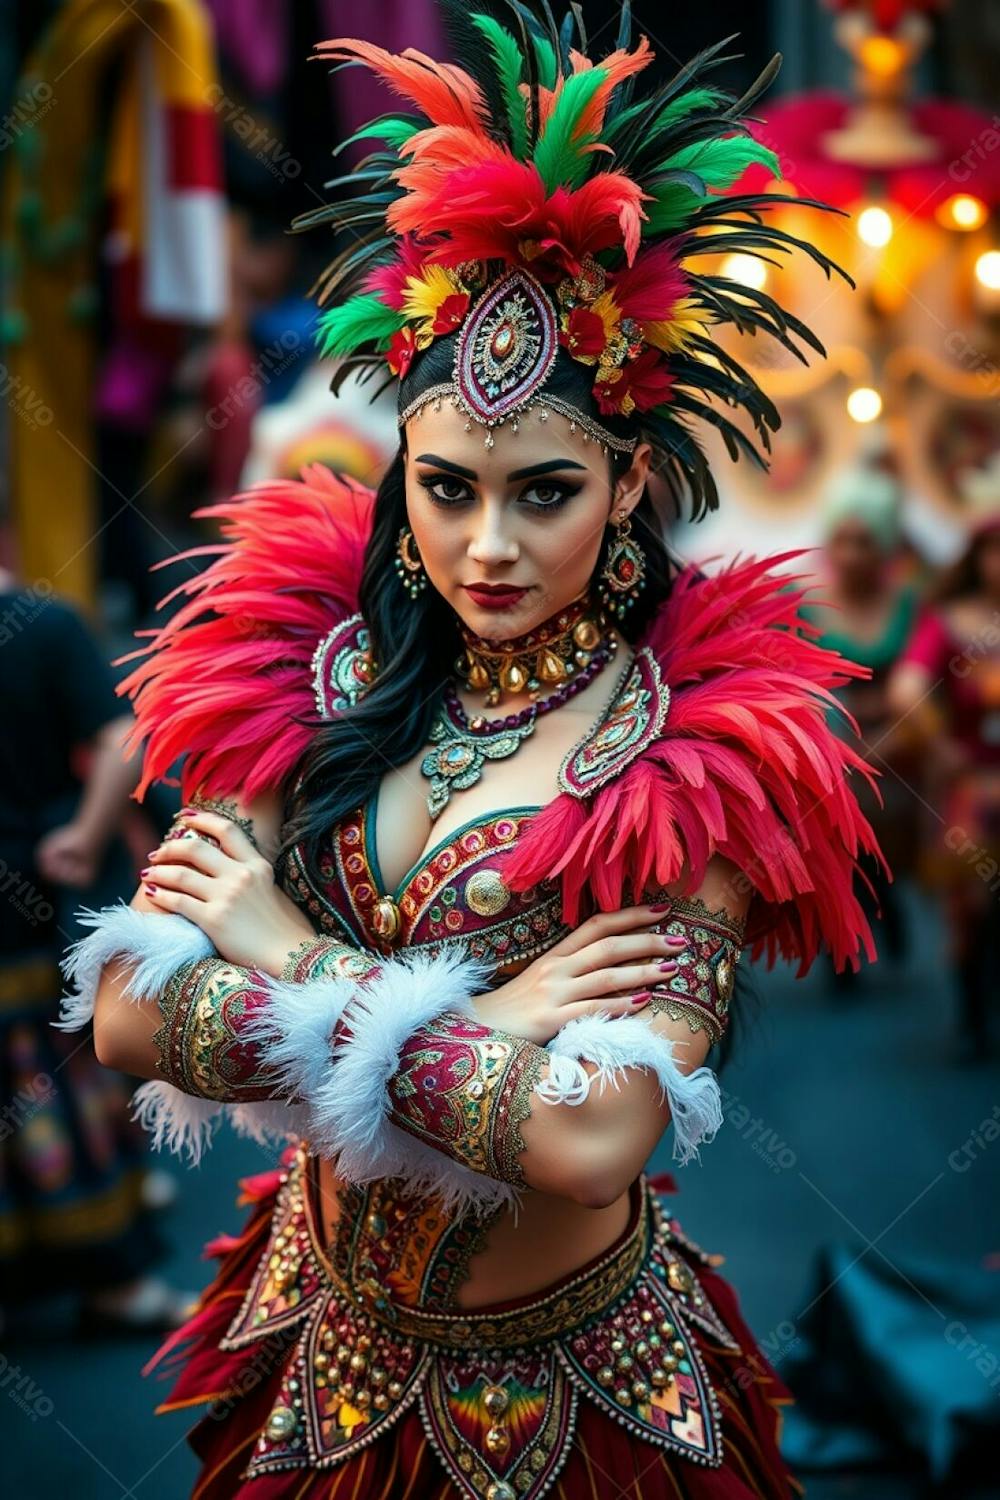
624, 573
409, 564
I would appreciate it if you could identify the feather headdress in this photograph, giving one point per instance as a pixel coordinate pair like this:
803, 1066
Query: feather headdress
533, 162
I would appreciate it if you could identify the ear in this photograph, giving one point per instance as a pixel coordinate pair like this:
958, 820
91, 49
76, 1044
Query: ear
629, 486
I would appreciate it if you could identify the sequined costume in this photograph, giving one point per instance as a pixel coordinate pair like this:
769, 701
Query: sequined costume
650, 1338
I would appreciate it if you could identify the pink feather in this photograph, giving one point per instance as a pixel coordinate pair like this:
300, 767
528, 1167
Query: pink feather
225, 690
747, 767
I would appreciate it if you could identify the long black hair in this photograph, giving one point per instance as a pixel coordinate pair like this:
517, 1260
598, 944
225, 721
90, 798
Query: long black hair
416, 641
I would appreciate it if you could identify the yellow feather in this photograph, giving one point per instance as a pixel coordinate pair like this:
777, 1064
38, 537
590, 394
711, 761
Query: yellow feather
425, 293
671, 334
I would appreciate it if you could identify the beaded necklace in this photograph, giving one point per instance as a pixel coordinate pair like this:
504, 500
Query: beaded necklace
462, 745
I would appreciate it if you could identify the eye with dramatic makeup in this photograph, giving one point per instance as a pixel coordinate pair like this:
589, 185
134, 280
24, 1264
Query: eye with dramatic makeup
448, 484
548, 494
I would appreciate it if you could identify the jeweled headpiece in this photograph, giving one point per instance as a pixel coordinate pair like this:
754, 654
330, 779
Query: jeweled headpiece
534, 203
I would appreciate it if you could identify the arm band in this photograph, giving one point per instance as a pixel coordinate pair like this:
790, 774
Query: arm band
702, 989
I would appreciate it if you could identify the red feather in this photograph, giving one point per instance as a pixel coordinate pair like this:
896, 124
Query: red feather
650, 289
223, 689
747, 767
493, 206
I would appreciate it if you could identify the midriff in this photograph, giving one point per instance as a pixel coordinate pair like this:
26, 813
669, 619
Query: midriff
550, 1238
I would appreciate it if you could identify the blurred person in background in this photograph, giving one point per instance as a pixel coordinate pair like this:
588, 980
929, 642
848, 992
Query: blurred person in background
74, 1214
948, 684
867, 613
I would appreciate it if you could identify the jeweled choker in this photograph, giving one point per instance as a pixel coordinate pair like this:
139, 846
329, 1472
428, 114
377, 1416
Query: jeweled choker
548, 656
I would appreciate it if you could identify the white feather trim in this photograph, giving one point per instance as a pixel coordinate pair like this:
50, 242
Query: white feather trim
295, 1029
156, 943
179, 1121
617, 1043
347, 1091
186, 1123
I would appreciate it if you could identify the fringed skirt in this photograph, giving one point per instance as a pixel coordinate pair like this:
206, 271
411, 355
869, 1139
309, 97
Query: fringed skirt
636, 1376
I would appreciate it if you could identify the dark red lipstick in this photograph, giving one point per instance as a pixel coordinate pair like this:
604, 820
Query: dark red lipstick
494, 595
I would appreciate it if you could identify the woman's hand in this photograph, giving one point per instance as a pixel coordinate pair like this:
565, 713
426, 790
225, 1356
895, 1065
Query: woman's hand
227, 889
610, 964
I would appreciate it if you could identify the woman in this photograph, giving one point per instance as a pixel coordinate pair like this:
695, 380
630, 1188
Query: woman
484, 800
867, 614
948, 686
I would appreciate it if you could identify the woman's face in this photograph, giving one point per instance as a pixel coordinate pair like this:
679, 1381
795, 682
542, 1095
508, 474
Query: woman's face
508, 535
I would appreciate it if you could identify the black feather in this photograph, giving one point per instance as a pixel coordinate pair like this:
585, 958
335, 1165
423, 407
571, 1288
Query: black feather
470, 53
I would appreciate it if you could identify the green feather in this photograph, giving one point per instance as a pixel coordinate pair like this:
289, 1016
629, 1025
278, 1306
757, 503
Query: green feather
677, 109
673, 206
547, 68
343, 329
509, 62
396, 129
720, 162
688, 104
558, 157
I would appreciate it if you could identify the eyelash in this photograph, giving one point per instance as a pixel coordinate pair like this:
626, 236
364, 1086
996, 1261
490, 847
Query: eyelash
563, 492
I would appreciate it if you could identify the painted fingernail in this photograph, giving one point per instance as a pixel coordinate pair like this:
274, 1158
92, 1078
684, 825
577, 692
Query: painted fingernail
660, 905
641, 999
152, 889
145, 871
668, 968
675, 939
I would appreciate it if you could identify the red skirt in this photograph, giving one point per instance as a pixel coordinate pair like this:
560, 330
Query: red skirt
604, 1460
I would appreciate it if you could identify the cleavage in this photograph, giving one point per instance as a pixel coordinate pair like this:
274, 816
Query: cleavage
403, 835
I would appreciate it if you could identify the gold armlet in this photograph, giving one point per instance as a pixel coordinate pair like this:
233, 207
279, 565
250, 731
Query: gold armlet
202, 1042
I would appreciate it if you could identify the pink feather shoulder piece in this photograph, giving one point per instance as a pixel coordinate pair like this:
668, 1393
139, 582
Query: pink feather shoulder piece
228, 679
728, 750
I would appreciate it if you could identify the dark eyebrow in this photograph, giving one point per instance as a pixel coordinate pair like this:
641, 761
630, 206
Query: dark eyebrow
444, 463
533, 471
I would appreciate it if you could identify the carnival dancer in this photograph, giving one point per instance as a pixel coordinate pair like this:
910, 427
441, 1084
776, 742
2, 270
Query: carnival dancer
485, 797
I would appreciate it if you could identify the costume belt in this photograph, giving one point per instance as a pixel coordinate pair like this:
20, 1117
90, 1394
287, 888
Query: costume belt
496, 1389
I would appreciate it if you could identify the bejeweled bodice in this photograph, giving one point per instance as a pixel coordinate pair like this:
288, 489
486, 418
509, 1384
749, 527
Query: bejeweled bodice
455, 893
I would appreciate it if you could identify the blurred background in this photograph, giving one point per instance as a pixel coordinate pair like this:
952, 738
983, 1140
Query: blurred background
157, 355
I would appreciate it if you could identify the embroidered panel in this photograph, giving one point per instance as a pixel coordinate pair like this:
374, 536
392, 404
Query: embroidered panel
465, 1089
703, 987
457, 896
288, 1279
635, 716
502, 1426
341, 666
397, 1249
201, 1043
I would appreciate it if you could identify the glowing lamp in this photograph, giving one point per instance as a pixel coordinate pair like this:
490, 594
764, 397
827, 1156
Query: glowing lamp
746, 269
962, 211
875, 227
864, 404
988, 270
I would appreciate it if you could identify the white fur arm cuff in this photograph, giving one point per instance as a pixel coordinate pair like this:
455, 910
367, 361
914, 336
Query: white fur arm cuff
615, 1044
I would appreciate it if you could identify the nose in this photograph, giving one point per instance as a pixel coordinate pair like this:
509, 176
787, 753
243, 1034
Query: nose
492, 542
